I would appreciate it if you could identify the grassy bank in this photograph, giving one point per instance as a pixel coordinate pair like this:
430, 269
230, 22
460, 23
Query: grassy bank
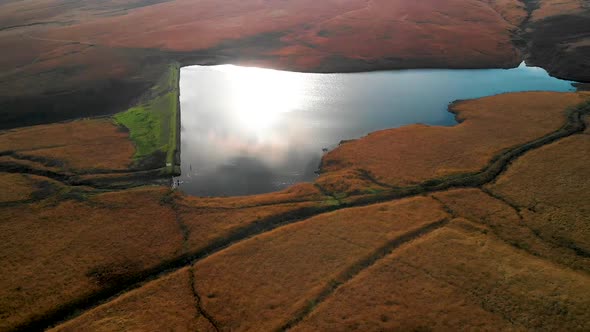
153, 124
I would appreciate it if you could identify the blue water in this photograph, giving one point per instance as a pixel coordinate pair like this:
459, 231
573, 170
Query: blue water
251, 130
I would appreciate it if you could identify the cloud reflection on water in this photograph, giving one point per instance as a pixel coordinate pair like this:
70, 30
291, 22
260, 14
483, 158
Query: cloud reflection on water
252, 130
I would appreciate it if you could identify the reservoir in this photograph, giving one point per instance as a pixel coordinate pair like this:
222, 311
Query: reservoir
251, 130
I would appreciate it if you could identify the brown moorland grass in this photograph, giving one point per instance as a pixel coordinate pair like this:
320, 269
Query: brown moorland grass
15, 187
507, 224
413, 154
348, 182
548, 8
78, 145
458, 277
52, 12
413, 33
210, 220
7, 162
57, 251
53, 66
69, 231
165, 304
262, 282
408, 30
85, 242
205, 226
73, 45
557, 38
512, 11
301, 192
551, 186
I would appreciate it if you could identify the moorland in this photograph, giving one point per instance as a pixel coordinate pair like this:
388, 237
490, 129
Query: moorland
482, 225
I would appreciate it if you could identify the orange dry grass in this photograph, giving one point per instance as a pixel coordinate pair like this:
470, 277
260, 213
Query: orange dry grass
51, 67
91, 242
433, 33
412, 154
52, 255
514, 12
212, 21
458, 278
90, 44
161, 305
83, 144
15, 187
37, 165
549, 8
258, 284
427, 33
505, 222
301, 192
23, 12
351, 182
206, 225
551, 184
210, 219
21, 54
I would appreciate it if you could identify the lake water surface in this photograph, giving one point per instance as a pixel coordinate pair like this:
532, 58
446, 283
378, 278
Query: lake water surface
251, 130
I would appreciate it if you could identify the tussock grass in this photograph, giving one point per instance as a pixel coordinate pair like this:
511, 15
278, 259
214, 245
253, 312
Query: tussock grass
458, 277
291, 267
430, 155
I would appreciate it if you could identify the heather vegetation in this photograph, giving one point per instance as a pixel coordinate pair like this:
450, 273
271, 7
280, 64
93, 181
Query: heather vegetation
309, 251
478, 226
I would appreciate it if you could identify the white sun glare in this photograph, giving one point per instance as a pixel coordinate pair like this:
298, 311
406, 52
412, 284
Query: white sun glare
259, 96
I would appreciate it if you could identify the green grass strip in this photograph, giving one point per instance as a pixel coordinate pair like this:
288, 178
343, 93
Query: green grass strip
152, 124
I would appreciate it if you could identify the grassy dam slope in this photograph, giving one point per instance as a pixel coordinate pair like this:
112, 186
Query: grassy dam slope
154, 123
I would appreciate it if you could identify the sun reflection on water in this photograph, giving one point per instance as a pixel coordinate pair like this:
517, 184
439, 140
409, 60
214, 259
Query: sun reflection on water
252, 130
260, 96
